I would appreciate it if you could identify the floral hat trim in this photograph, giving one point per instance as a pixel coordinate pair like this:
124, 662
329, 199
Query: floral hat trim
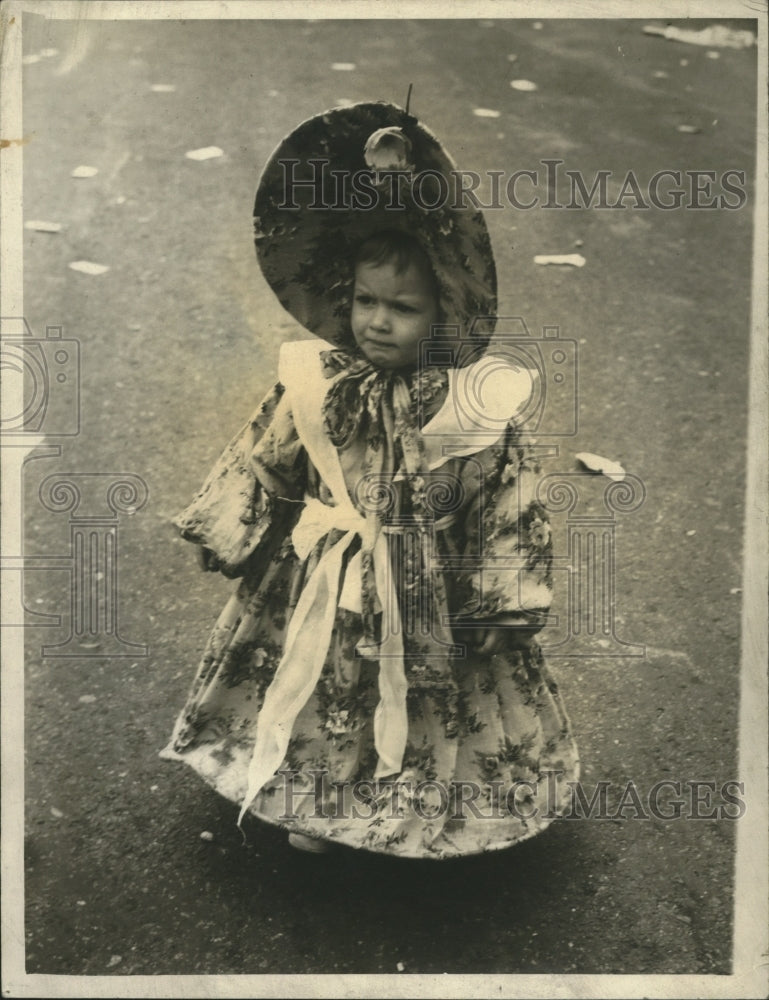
340, 178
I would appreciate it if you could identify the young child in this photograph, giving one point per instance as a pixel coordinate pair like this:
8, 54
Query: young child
375, 681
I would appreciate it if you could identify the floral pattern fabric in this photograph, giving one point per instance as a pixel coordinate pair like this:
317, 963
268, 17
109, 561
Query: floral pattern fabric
489, 752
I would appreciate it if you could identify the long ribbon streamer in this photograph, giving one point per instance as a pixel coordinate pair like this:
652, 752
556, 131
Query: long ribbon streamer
307, 642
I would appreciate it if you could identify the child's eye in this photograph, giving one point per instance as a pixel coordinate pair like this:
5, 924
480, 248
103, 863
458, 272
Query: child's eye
403, 308
364, 300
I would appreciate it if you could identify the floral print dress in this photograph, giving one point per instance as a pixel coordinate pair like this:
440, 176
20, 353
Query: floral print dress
435, 750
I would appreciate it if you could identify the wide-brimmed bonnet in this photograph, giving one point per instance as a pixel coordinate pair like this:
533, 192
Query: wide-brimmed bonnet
348, 174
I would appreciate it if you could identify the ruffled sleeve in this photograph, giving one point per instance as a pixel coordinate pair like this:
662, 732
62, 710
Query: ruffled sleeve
507, 537
242, 504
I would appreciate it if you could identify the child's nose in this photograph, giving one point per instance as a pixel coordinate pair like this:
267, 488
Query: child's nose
381, 318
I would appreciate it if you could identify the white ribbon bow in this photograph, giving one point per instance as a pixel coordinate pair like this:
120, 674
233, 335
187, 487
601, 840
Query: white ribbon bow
308, 638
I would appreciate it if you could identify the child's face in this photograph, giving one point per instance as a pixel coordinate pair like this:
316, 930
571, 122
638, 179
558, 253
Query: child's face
392, 312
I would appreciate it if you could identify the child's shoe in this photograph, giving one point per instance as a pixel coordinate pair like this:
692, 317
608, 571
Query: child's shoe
310, 844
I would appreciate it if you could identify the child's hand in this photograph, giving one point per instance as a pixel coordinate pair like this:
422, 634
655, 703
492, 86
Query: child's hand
207, 560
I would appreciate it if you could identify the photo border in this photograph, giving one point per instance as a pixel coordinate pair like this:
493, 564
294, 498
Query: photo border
751, 914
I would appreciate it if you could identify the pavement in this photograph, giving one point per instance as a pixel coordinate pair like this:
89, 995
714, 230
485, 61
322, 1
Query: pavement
179, 338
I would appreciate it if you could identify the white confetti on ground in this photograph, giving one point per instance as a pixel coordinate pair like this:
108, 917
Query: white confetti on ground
84, 171
207, 835
485, 113
114, 960
597, 463
512, 57
713, 55
692, 532
87, 699
688, 129
537, 26
343, 67
163, 88
524, 85
205, 153
56, 813
660, 74
88, 267
571, 259
714, 34
43, 227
